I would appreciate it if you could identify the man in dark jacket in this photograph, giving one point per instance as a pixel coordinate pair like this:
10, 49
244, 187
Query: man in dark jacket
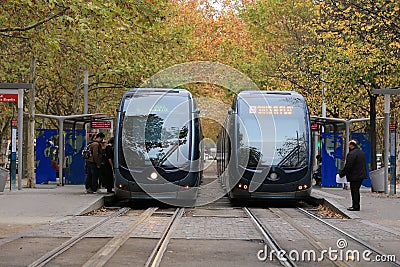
93, 164
355, 171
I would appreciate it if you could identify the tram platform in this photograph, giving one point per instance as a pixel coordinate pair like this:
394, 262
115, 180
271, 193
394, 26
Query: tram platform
26, 208
378, 209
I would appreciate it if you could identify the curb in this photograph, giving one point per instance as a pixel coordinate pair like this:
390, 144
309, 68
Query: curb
94, 205
333, 205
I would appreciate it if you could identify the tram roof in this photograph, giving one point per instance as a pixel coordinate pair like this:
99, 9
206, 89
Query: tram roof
264, 92
158, 90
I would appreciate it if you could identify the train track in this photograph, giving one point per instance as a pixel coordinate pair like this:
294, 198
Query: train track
66, 245
274, 241
346, 234
102, 256
226, 234
157, 253
268, 238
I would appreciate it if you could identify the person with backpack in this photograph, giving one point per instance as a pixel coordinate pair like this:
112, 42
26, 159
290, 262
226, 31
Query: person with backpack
93, 163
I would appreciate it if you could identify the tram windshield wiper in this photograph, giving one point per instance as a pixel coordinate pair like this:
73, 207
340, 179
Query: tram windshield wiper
181, 140
167, 154
285, 162
293, 158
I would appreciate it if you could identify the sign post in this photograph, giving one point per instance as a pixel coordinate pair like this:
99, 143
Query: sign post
14, 92
13, 162
387, 93
392, 159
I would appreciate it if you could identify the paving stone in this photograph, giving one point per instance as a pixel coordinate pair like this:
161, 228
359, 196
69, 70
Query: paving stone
216, 228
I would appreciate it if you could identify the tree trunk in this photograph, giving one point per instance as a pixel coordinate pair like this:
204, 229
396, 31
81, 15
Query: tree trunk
30, 148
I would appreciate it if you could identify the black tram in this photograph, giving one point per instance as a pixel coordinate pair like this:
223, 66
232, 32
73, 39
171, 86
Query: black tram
157, 146
264, 148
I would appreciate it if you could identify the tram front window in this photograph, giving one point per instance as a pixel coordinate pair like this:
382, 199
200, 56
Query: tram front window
156, 131
272, 132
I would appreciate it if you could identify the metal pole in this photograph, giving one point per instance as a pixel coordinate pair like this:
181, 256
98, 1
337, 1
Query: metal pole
392, 162
347, 123
386, 140
86, 91
112, 128
61, 151
316, 138
346, 145
20, 135
13, 155
323, 106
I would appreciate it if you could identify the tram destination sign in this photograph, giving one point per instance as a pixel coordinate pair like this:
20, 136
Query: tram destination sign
100, 124
13, 98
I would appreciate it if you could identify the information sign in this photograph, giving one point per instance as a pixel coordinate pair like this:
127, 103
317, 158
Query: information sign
100, 124
9, 98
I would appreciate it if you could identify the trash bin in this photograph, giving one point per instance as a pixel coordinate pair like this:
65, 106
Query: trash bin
378, 180
3, 178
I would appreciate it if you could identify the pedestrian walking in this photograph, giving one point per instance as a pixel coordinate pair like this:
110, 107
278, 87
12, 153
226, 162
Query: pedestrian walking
93, 164
355, 170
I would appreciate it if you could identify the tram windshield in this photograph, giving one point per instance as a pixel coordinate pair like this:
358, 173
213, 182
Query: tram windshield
272, 132
156, 131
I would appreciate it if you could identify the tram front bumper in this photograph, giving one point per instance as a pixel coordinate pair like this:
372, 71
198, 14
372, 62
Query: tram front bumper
269, 194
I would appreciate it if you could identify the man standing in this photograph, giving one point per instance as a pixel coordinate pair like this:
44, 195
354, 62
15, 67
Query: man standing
355, 171
93, 164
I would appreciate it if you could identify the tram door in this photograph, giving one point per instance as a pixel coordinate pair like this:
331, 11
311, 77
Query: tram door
332, 157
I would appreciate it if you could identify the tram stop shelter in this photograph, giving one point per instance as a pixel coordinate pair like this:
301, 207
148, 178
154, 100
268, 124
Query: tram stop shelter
334, 128
74, 122
337, 124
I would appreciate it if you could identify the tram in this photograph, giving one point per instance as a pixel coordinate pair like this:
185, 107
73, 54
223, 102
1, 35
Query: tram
158, 151
264, 148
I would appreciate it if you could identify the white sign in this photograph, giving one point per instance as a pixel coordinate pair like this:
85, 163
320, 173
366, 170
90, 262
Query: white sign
14, 140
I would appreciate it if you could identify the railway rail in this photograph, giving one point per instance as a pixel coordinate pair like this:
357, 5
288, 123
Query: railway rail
217, 233
107, 251
283, 252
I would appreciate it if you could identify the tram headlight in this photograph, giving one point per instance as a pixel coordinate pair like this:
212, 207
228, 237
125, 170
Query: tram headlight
273, 176
153, 176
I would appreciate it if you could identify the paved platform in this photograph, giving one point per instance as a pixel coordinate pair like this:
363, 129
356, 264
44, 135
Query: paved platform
376, 208
23, 209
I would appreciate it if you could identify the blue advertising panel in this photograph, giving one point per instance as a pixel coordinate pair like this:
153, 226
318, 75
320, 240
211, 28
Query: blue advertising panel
74, 171
46, 155
332, 157
365, 145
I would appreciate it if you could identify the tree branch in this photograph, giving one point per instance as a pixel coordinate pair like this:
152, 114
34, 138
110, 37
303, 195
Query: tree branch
22, 29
